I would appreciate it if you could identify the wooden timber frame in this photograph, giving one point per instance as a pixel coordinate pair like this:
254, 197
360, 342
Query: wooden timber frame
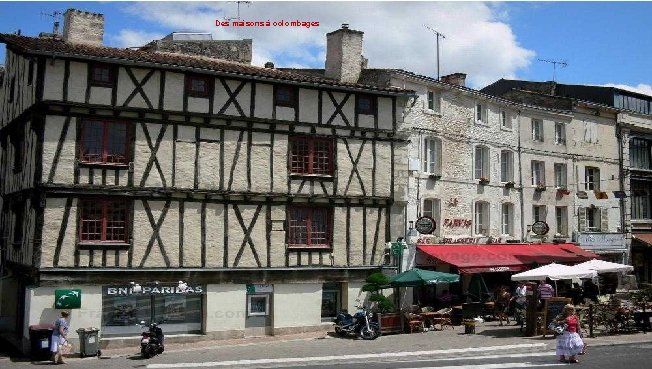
244, 123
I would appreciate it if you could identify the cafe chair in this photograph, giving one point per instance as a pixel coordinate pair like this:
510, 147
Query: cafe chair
415, 322
444, 318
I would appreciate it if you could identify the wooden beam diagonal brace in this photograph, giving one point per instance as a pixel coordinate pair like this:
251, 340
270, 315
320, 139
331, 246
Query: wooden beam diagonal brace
232, 97
156, 226
247, 235
354, 168
138, 89
338, 108
153, 159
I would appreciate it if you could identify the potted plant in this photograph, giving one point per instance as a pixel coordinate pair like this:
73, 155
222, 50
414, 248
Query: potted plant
562, 190
540, 187
388, 320
509, 184
434, 176
483, 180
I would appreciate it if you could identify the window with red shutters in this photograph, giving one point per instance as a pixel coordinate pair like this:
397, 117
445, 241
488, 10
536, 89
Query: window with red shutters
309, 227
311, 156
103, 220
103, 142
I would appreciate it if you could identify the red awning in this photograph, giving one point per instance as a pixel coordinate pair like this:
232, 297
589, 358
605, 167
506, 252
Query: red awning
478, 258
643, 237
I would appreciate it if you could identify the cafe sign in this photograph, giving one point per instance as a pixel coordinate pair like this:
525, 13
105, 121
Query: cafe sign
540, 228
425, 225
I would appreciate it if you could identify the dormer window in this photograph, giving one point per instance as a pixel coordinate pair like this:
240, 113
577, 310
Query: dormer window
102, 75
197, 86
285, 96
366, 105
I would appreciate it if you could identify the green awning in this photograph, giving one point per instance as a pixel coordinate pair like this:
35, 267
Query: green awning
418, 277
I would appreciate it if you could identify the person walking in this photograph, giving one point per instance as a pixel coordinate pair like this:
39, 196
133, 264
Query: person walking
502, 304
546, 291
569, 343
59, 337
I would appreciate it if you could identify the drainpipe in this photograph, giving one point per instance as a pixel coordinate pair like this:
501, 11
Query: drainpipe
621, 187
520, 176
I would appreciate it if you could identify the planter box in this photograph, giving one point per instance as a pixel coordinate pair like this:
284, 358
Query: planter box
390, 322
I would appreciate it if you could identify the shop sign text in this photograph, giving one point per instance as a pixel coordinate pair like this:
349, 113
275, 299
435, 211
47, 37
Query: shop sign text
153, 290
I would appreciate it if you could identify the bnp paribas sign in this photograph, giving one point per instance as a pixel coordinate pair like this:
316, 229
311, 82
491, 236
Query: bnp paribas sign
67, 299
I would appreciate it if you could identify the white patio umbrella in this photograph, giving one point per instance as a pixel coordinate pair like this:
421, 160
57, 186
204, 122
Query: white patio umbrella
601, 266
554, 272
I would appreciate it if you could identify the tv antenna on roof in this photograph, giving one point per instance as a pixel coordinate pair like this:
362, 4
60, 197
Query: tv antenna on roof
562, 64
238, 17
56, 18
438, 35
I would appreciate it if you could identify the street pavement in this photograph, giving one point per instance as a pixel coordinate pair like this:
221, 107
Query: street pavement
492, 347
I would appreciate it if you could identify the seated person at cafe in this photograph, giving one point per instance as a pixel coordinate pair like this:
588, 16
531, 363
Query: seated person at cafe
590, 291
445, 299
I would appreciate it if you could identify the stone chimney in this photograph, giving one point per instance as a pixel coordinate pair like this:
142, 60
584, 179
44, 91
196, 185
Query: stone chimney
458, 79
344, 59
83, 27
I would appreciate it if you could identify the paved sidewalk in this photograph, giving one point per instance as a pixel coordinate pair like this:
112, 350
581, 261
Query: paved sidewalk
308, 344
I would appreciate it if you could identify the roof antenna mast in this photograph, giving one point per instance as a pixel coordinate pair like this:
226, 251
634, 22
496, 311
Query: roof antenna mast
438, 35
56, 18
562, 64
238, 17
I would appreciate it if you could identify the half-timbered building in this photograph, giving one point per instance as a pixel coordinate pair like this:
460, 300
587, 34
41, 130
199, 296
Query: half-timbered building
269, 193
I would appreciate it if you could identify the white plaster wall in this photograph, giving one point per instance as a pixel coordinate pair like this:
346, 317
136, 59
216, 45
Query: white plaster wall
100, 95
328, 108
174, 87
385, 113
192, 235
53, 83
308, 105
261, 170
303, 300
226, 307
39, 309
239, 178
53, 127
366, 121
264, 100
353, 293
198, 104
214, 235
77, 81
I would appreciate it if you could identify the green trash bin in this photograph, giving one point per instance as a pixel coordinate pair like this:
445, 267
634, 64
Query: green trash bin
89, 342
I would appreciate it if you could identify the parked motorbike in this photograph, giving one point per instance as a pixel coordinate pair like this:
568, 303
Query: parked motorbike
151, 343
361, 324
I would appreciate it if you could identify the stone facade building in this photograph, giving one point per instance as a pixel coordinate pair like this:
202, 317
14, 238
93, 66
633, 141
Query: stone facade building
630, 115
270, 194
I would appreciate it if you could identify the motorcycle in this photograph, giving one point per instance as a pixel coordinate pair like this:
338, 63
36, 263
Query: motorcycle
151, 343
360, 324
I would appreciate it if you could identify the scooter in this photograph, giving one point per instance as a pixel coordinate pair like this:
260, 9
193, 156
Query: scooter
151, 343
360, 324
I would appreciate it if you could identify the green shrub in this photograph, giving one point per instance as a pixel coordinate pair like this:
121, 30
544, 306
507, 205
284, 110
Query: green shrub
375, 283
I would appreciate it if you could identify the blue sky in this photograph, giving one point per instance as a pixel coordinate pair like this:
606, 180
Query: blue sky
603, 42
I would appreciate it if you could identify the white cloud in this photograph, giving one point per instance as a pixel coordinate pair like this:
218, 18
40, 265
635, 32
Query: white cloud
478, 41
641, 88
130, 38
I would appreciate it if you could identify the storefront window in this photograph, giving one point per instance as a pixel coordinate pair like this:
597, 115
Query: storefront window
122, 310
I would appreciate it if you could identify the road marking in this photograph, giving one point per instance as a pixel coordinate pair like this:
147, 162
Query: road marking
490, 366
288, 360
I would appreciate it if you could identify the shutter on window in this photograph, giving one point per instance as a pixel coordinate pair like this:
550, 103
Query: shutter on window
478, 163
581, 218
604, 220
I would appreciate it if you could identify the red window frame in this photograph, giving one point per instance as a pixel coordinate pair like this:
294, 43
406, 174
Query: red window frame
105, 156
311, 156
101, 82
205, 92
310, 227
368, 110
98, 222
291, 93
